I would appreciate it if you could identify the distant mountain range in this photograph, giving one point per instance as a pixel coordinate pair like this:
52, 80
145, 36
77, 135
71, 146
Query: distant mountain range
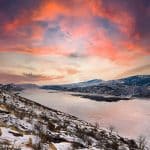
17, 87
93, 82
134, 86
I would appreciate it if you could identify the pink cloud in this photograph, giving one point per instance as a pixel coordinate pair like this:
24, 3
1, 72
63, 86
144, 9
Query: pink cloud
26, 77
77, 19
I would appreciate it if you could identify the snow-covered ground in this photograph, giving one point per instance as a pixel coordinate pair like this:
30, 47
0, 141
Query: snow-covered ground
26, 125
17, 139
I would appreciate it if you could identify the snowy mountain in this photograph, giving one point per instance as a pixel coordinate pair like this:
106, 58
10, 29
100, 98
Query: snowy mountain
28, 86
84, 84
134, 86
11, 87
17, 87
74, 85
27, 125
139, 80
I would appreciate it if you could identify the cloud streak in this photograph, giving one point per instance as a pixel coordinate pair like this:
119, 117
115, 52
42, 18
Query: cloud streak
26, 77
134, 71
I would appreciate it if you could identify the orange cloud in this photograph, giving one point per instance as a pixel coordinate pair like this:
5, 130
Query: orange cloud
71, 71
76, 9
76, 18
134, 71
35, 50
46, 51
37, 33
76, 28
114, 13
122, 52
50, 10
26, 77
21, 20
102, 45
136, 48
39, 77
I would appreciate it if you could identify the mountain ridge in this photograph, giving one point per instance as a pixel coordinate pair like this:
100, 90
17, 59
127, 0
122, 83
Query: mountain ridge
128, 87
133, 86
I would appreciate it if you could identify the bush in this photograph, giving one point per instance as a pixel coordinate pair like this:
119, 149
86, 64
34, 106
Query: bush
30, 142
0, 132
97, 126
142, 143
112, 128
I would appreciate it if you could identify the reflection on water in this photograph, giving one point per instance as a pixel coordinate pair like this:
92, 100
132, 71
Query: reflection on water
131, 118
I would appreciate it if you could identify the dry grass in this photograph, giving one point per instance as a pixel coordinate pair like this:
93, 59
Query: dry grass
52, 146
0, 132
29, 144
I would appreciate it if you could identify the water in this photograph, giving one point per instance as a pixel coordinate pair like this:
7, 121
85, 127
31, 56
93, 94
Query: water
130, 118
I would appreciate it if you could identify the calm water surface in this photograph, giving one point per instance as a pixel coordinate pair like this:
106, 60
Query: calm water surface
130, 118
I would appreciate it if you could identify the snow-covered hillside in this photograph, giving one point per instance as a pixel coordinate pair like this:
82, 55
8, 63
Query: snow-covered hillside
27, 125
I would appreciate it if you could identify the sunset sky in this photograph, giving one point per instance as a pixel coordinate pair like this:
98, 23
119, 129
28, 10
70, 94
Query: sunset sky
63, 41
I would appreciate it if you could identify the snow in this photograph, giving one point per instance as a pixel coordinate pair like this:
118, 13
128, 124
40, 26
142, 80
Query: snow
38, 119
11, 120
26, 148
63, 146
18, 141
123, 147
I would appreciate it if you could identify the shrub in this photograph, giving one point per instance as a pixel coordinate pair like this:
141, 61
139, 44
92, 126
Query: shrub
97, 125
112, 129
142, 143
30, 142
0, 132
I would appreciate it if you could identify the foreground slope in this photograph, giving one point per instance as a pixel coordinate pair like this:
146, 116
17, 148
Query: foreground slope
27, 125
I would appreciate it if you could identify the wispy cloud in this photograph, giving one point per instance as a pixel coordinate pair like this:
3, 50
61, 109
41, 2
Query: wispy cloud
138, 70
127, 16
26, 77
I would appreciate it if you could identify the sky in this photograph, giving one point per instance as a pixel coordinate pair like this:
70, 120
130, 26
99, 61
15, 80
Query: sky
64, 41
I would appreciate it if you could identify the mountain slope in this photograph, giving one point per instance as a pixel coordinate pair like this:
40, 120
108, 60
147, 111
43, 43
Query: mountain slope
28, 125
17, 87
139, 80
73, 85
